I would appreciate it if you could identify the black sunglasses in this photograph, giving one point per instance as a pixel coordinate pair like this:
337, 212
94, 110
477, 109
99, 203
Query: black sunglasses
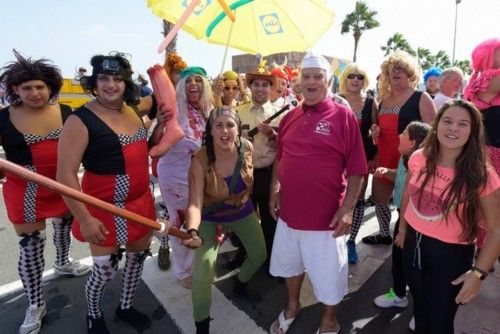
357, 76
231, 88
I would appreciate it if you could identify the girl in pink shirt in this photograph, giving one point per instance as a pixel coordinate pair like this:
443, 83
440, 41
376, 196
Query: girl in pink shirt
450, 190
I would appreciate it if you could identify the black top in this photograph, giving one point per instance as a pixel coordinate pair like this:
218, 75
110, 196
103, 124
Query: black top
409, 112
103, 155
366, 123
14, 142
491, 121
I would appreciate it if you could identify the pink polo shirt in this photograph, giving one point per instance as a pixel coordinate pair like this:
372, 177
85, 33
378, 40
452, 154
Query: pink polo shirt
318, 147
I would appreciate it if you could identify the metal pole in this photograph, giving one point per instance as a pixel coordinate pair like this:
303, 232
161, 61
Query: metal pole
455, 33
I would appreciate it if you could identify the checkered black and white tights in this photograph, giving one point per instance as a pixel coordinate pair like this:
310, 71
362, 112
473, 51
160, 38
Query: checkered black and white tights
357, 219
62, 239
162, 213
383, 212
31, 264
103, 271
132, 272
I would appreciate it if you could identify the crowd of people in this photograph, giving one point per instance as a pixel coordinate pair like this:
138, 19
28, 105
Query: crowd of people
272, 158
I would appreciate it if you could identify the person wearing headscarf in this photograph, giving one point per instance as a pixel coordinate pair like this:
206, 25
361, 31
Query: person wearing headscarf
221, 180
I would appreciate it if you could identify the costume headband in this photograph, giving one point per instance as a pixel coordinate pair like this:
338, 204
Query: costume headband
188, 71
223, 111
111, 66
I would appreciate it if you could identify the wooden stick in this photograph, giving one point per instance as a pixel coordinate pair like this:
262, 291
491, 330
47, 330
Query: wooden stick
62, 189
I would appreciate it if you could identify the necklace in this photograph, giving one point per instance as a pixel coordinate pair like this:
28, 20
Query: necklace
107, 107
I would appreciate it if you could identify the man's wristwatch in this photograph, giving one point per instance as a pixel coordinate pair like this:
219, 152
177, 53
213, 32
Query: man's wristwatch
479, 273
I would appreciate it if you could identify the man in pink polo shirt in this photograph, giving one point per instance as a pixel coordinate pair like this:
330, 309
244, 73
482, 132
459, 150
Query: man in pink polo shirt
316, 181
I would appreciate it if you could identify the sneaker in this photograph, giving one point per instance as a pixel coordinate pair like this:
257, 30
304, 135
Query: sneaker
377, 239
411, 325
72, 268
96, 326
32, 323
352, 254
136, 319
390, 299
164, 258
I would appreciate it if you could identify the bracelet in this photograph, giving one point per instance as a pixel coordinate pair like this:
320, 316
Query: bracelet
478, 272
191, 230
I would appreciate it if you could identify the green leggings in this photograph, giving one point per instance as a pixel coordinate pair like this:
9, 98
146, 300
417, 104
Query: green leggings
250, 233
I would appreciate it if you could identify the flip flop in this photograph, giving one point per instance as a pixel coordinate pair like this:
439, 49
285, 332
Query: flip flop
336, 332
282, 322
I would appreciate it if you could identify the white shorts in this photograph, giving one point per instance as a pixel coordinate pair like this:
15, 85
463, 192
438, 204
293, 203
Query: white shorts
317, 252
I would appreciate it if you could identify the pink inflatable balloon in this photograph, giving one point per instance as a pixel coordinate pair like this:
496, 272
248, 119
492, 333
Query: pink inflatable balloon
178, 25
165, 94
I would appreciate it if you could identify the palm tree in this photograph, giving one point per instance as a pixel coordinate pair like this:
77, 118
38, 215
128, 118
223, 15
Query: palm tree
397, 42
172, 47
441, 59
464, 65
425, 58
359, 21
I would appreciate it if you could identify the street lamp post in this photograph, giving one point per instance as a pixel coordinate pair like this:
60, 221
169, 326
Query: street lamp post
455, 33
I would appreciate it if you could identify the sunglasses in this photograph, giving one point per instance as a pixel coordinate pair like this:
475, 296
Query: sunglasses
357, 76
397, 69
231, 88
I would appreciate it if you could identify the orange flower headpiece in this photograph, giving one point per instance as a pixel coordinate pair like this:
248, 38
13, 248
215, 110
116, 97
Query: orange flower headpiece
173, 62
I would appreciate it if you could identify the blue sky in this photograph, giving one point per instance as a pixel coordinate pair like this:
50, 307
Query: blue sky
69, 32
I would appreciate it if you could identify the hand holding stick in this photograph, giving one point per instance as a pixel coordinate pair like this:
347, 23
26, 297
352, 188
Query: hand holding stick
62, 189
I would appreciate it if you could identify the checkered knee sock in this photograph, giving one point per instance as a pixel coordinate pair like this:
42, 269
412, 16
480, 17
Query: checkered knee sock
103, 271
31, 264
383, 212
357, 219
131, 275
163, 241
162, 213
62, 239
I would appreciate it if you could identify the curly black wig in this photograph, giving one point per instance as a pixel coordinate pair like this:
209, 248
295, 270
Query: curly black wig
115, 64
17, 72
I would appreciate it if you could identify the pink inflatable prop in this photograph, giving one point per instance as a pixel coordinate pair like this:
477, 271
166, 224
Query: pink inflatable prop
178, 25
165, 95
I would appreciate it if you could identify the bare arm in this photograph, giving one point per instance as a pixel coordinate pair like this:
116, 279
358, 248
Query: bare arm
274, 195
72, 144
400, 238
427, 108
195, 202
341, 221
145, 105
490, 207
385, 172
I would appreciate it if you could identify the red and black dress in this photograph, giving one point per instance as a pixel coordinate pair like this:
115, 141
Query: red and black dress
116, 171
27, 202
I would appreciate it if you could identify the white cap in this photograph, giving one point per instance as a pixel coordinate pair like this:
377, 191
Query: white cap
315, 60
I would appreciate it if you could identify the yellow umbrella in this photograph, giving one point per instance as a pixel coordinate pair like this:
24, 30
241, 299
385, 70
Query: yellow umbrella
261, 26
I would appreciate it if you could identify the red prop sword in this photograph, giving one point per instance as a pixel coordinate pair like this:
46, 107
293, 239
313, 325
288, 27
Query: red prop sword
62, 189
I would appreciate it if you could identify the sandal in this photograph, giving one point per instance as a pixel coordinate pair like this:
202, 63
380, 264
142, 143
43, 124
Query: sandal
336, 332
282, 324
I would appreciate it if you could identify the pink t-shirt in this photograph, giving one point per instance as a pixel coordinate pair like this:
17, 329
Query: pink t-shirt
426, 217
318, 147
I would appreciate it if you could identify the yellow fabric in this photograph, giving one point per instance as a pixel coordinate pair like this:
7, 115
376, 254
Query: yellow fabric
264, 27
